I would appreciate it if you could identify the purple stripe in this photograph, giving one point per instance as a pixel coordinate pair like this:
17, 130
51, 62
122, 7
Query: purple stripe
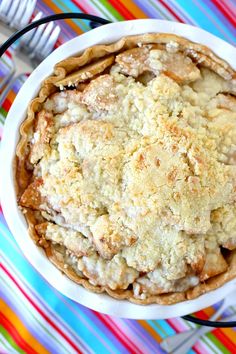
26, 320
232, 5
7, 60
178, 10
221, 17
75, 309
6, 67
66, 31
149, 10
2, 219
45, 307
146, 336
98, 323
18, 83
208, 15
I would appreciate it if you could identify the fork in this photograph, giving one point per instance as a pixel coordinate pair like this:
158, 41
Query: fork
180, 343
17, 13
36, 46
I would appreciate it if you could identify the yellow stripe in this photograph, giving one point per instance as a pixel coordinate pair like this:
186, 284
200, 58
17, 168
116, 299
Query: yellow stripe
150, 330
134, 9
57, 10
21, 329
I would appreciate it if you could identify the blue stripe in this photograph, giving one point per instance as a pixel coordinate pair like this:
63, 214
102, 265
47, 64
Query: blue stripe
149, 9
27, 318
72, 8
221, 18
204, 22
53, 299
166, 327
45, 308
184, 15
163, 331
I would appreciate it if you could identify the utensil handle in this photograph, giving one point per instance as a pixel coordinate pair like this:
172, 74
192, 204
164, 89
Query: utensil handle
189, 343
171, 343
67, 15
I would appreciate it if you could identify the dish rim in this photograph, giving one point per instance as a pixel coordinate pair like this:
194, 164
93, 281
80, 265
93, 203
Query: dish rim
15, 219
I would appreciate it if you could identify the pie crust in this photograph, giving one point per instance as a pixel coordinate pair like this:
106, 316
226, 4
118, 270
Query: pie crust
156, 197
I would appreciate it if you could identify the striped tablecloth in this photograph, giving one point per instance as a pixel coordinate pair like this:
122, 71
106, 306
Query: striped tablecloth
34, 317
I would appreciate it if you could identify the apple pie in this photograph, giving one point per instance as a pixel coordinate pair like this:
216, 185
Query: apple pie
126, 169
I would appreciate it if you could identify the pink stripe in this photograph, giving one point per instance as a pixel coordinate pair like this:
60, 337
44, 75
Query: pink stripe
88, 7
229, 7
202, 348
41, 312
166, 12
134, 325
117, 329
178, 324
185, 16
212, 20
59, 296
138, 338
120, 336
40, 304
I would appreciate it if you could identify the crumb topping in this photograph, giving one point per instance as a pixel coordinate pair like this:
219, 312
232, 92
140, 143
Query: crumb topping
136, 172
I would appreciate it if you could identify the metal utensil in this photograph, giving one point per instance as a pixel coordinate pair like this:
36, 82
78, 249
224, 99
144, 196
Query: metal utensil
182, 342
32, 53
17, 13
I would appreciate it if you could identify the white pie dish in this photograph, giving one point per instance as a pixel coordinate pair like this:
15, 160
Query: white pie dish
15, 219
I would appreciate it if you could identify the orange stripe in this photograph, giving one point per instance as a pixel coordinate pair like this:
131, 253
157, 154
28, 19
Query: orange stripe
22, 330
134, 9
209, 311
228, 332
150, 330
14, 335
11, 96
57, 10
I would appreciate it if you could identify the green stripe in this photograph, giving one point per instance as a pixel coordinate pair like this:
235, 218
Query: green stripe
154, 324
217, 343
209, 345
2, 120
4, 344
160, 11
111, 9
82, 24
6, 62
100, 4
10, 340
35, 318
3, 114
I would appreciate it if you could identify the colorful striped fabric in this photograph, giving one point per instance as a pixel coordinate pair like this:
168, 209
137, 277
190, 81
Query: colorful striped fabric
34, 317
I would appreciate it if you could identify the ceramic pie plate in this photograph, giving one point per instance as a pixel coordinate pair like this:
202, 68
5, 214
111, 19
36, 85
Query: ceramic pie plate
17, 224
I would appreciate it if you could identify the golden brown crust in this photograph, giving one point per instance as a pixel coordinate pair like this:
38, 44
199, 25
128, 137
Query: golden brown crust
215, 282
31, 198
163, 299
63, 68
87, 72
72, 71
